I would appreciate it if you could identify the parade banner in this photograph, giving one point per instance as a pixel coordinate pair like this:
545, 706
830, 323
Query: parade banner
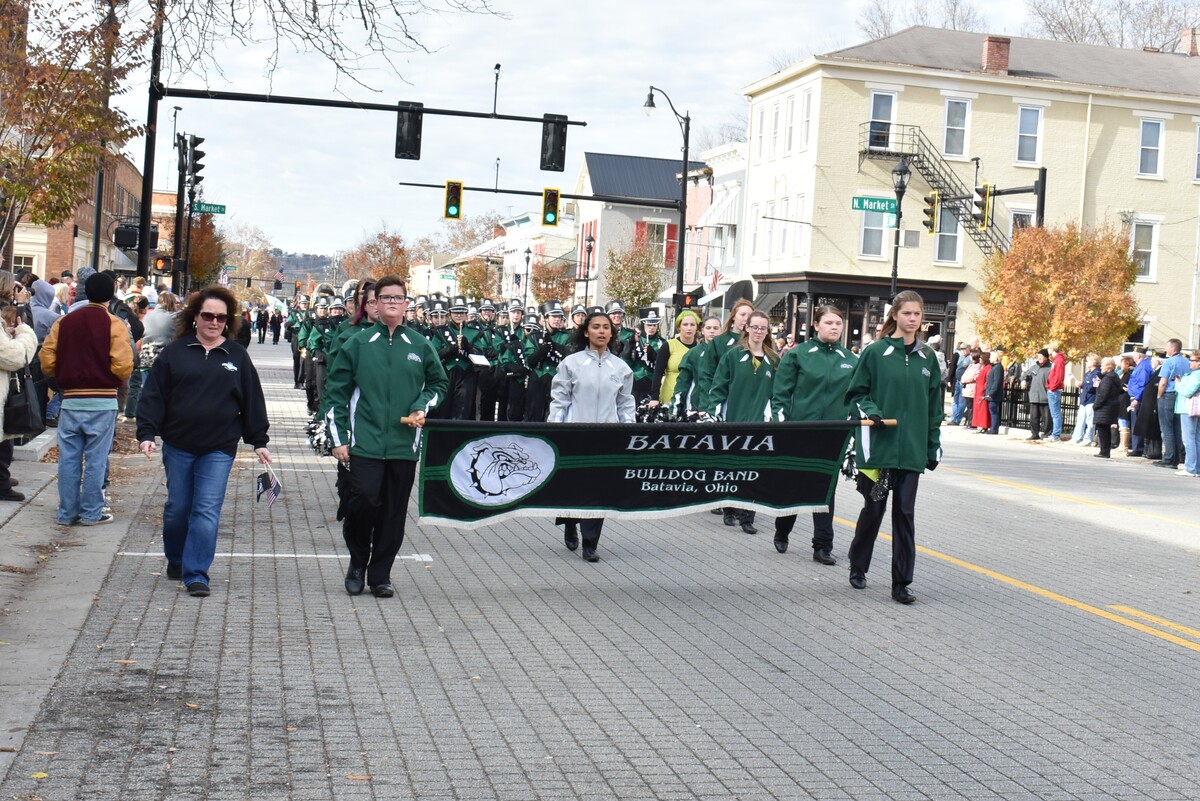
474, 474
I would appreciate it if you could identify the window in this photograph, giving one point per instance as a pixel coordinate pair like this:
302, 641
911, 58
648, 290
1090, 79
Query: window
799, 229
24, 262
758, 134
770, 227
656, 241
806, 120
1142, 245
874, 223
718, 246
957, 112
789, 139
783, 229
1029, 134
883, 117
1198, 152
730, 244
1136, 339
754, 229
947, 237
774, 130
1022, 218
1150, 149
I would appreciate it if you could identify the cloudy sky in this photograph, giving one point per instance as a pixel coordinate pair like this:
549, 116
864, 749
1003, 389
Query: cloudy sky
317, 180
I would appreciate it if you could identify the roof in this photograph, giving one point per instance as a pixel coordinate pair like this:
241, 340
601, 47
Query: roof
636, 176
1035, 59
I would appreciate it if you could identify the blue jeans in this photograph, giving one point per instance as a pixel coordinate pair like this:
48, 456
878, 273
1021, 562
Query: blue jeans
84, 440
1085, 423
53, 407
1168, 423
1055, 399
1190, 427
994, 411
958, 406
195, 494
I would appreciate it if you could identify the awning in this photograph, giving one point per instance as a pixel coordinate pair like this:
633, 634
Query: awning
768, 302
723, 211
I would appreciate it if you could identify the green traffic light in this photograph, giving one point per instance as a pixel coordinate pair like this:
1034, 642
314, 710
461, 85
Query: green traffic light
549, 216
452, 211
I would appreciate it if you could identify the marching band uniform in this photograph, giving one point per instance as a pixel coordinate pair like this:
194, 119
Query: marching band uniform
516, 366
291, 326
487, 342
544, 350
644, 354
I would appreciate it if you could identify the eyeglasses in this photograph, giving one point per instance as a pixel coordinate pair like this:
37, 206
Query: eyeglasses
390, 299
209, 317
758, 328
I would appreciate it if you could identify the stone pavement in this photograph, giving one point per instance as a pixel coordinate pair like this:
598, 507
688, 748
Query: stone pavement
1052, 653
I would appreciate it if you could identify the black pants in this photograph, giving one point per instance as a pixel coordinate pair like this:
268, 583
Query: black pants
743, 516
310, 382
6, 457
822, 528
262, 335
589, 530
502, 383
460, 396
297, 363
516, 398
319, 371
274, 336
1104, 438
537, 399
904, 544
1039, 412
376, 506
641, 389
488, 393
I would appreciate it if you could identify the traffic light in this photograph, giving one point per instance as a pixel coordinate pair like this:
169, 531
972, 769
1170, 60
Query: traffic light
453, 208
549, 207
126, 236
932, 205
685, 300
408, 130
982, 202
162, 264
554, 142
195, 155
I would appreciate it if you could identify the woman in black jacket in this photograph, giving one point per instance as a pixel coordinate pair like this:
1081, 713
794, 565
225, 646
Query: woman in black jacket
1108, 405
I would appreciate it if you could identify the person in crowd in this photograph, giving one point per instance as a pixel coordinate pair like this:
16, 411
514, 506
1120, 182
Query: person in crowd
1107, 405
140, 308
993, 391
388, 370
961, 361
62, 299
276, 323
1135, 384
87, 353
730, 337
1175, 366
42, 307
1054, 388
1146, 427
668, 359
811, 384
981, 417
242, 330
1187, 409
262, 322
1085, 422
896, 377
969, 382
1126, 366
592, 385
159, 325
1034, 381
201, 397
685, 399
741, 390
18, 343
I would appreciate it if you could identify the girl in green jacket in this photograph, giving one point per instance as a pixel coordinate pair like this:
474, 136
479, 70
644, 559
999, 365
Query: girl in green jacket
741, 390
897, 377
728, 339
811, 385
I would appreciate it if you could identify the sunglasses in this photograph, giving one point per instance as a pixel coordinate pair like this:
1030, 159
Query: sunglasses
209, 317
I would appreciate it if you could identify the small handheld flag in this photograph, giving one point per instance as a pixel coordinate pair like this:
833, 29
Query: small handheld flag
268, 484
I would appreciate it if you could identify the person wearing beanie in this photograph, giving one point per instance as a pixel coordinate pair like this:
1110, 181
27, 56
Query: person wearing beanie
666, 363
89, 355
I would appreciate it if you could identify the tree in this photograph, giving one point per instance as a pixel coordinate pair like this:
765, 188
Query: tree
1065, 284
379, 254
476, 279
249, 250
206, 253
1114, 23
635, 275
59, 63
881, 18
551, 280
456, 237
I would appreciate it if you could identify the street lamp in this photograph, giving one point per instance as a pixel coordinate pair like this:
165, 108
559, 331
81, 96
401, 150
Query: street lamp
525, 303
685, 125
587, 265
900, 178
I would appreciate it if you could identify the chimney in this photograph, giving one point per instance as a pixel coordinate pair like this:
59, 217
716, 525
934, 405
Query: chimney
995, 54
1189, 41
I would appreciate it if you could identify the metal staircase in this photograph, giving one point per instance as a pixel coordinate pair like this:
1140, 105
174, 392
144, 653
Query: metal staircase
889, 142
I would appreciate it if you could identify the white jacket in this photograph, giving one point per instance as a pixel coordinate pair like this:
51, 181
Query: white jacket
589, 388
15, 352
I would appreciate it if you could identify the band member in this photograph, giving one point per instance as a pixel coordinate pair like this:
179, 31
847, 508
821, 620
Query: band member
730, 336
897, 377
545, 351
644, 354
518, 368
687, 398
502, 334
578, 315
291, 331
741, 390
591, 386
311, 330
622, 338
666, 363
487, 342
811, 384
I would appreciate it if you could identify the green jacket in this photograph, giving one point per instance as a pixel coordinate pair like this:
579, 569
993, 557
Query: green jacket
444, 339
337, 342
811, 382
707, 367
893, 382
741, 392
684, 398
388, 377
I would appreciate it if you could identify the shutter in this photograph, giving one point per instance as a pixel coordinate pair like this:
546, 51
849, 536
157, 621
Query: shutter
672, 244
639, 233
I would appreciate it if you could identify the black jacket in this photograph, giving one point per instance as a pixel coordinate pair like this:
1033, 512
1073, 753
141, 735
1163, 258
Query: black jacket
1108, 399
201, 402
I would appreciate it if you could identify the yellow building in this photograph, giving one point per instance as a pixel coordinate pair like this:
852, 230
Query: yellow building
1118, 132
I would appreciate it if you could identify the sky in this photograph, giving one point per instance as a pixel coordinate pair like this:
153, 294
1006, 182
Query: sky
320, 180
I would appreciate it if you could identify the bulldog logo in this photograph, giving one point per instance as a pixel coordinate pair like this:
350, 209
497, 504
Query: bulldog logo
501, 469
496, 471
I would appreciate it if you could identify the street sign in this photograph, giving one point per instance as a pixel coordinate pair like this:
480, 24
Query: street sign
447, 277
885, 204
207, 208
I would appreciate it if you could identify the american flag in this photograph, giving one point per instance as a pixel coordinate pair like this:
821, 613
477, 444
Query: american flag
279, 276
268, 484
717, 275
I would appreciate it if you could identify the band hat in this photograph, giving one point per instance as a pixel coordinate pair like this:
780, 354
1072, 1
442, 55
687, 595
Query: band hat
515, 303
595, 310
650, 315
422, 301
459, 304
579, 309
532, 310
437, 307
555, 308
616, 306
531, 320
337, 303
487, 305
323, 301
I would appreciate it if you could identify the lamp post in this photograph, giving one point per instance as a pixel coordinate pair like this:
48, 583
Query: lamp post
685, 125
525, 303
900, 178
587, 265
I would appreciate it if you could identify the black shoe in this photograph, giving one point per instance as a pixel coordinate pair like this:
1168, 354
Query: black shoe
718, 511
570, 536
174, 572
729, 519
198, 589
1134, 453
858, 579
781, 545
823, 556
901, 595
1159, 463
354, 580
383, 590
1100, 455
749, 528
51, 422
11, 495
589, 555
12, 482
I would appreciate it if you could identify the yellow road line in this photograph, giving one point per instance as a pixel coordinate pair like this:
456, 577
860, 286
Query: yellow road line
1054, 596
1128, 610
1062, 496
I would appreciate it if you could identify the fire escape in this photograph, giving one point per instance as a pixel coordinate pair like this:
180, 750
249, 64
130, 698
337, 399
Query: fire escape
886, 141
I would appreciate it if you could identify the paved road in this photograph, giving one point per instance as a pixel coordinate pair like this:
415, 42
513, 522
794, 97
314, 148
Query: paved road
1052, 654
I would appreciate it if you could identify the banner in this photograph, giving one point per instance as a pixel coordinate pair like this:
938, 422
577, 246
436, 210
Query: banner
473, 474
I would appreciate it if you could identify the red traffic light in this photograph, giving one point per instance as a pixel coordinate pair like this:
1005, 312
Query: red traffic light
162, 264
